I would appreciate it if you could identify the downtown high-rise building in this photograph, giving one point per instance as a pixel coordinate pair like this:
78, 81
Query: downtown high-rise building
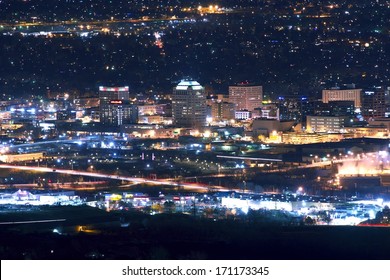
374, 104
115, 106
246, 96
189, 105
354, 95
223, 111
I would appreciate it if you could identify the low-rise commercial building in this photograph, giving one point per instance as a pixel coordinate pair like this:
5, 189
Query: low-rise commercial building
330, 124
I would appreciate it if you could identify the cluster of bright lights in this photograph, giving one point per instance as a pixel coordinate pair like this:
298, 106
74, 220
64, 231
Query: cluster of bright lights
4, 149
366, 164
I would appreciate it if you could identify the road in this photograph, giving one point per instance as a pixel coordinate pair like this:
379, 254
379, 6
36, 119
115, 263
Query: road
85, 23
32, 222
138, 180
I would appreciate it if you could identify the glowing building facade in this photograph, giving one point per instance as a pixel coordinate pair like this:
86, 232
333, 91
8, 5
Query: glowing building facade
115, 108
189, 105
246, 97
354, 95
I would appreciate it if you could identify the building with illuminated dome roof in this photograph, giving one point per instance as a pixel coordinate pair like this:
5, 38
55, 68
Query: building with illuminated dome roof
189, 105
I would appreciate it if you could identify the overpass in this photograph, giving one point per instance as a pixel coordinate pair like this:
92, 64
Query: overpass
251, 158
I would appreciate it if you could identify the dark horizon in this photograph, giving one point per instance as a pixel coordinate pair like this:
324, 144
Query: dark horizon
287, 51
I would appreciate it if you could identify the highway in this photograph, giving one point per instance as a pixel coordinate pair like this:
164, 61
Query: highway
138, 180
27, 146
32, 222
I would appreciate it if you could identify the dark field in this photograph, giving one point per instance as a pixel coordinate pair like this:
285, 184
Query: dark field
176, 236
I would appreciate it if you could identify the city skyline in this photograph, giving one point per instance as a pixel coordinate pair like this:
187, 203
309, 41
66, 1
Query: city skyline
290, 48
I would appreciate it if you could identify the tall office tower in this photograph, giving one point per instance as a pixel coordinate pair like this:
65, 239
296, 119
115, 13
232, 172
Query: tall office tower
189, 105
115, 108
386, 89
246, 96
354, 95
123, 112
294, 108
374, 105
223, 111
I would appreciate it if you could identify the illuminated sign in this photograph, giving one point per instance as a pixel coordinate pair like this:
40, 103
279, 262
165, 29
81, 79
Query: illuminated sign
113, 89
116, 102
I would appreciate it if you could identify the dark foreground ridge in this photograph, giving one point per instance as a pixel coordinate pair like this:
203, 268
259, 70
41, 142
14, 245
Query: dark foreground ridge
176, 236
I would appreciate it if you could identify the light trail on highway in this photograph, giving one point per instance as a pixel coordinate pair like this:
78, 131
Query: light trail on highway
137, 180
32, 222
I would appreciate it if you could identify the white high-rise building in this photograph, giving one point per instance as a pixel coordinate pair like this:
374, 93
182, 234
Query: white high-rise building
189, 105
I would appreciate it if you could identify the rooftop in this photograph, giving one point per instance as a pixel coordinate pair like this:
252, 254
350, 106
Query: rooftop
184, 85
